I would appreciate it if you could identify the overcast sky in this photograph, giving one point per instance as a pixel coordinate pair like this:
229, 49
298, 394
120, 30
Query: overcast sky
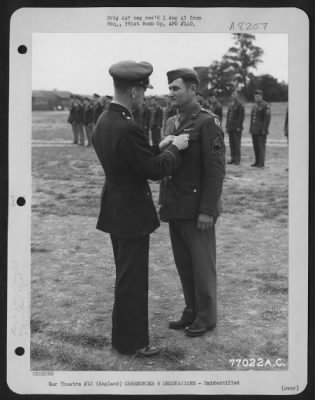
79, 62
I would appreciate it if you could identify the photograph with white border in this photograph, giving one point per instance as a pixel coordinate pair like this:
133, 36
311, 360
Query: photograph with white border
66, 71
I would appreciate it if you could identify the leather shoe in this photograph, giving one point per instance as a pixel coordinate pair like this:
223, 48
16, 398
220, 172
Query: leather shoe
180, 324
230, 162
194, 332
148, 351
254, 165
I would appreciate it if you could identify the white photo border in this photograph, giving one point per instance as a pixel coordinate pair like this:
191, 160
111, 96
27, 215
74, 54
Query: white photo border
27, 21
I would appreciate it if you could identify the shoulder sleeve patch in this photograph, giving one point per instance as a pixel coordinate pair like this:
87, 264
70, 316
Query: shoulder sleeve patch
217, 145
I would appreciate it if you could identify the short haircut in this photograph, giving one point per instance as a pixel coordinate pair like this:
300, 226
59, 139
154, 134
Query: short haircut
121, 85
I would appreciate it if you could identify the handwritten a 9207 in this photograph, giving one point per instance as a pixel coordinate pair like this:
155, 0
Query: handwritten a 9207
248, 26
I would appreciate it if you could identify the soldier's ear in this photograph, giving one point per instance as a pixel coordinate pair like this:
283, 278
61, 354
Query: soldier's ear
193, 87
133, 92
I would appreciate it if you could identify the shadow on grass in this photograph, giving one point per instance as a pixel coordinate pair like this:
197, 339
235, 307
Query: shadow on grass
84, 340
173, 357
39, 250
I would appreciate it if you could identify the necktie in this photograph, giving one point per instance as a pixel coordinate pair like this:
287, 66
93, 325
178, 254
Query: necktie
177, 121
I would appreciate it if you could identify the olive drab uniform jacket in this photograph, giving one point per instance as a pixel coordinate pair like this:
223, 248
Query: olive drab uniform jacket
127, 208
88, 114
235, 117
260, 119
196, 186
97, 111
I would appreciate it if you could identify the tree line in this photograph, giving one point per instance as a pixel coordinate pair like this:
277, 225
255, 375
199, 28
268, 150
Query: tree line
235, 71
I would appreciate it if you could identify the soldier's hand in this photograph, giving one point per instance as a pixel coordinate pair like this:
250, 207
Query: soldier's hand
181, 141
205, 222
166, 141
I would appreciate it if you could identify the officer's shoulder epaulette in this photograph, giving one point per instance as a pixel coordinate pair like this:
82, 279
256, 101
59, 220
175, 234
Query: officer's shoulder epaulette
131, 125
126, 117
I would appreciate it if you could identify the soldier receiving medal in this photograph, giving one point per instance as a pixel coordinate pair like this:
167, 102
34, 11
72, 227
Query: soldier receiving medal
190, 203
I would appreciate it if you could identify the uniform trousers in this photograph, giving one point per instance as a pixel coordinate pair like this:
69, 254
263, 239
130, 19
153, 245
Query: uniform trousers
195, 258
235, 145
78, 133
75, 133
259, 143
130, 330
89, 131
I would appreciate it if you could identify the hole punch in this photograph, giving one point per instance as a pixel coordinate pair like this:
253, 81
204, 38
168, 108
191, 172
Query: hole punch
22, 49
19, 351
21, 201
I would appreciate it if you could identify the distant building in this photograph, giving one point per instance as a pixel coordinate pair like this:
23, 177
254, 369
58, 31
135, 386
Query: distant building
50, 100
40, 101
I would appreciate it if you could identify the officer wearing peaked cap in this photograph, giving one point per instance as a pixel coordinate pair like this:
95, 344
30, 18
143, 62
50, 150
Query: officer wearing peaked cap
190, 202
127, 210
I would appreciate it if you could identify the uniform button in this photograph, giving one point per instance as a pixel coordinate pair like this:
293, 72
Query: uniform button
170, 177
195, 190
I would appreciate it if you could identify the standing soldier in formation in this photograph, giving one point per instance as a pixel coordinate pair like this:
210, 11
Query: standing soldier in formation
215, 106
190, 203
88, 119
202, 101
259, 124
79, 122
127, 209
168, 112
142, 116
156, 120
76, 120
97, 108
286, 124
71, 118
234, 127
106, 102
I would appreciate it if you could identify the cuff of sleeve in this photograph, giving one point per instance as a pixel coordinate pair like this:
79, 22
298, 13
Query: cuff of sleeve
175, 152
173, 149
155, 148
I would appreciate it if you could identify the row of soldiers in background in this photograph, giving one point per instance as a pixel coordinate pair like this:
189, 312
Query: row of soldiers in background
153, 118
259, 125
84, 113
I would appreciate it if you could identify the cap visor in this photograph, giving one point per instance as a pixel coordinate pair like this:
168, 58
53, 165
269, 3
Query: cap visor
149, 86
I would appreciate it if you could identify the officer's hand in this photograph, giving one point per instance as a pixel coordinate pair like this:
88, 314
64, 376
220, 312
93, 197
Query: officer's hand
205, 222
181, 141
166, 141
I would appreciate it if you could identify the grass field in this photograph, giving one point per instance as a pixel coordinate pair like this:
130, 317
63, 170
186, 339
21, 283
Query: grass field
73, 271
